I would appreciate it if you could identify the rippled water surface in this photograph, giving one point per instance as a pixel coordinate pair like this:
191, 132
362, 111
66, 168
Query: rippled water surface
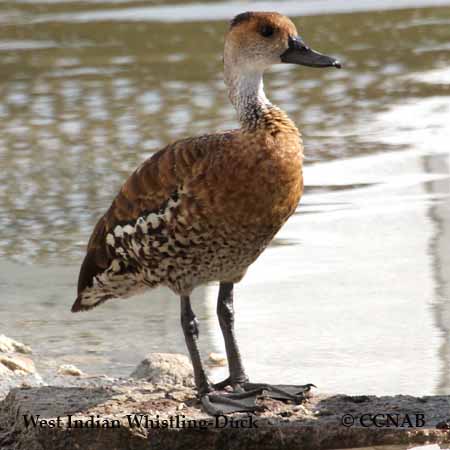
354, 293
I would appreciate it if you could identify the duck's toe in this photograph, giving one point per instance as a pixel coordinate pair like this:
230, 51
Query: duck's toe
227, 403
285, 392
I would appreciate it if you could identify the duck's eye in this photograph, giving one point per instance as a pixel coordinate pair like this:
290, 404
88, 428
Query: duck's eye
267, 31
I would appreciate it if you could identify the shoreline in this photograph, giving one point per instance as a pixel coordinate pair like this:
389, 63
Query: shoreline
319, 423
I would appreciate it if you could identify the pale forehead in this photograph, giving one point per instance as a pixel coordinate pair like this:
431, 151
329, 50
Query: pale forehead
257, 20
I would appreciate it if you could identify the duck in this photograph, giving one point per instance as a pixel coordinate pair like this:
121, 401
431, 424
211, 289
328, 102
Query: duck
204, 208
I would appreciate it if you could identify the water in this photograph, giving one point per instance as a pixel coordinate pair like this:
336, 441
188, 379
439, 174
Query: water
354, 293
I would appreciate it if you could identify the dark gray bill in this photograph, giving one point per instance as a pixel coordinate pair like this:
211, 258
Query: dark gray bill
299, 53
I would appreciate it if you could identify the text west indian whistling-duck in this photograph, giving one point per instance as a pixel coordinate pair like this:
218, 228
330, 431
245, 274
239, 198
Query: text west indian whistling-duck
204, 208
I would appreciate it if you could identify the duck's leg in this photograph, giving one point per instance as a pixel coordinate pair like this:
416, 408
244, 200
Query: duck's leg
225, 313
214, 404
238, 379
189, 324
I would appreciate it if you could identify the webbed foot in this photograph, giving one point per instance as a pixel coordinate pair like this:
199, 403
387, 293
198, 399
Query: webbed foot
284, 392
226, 403
289, 392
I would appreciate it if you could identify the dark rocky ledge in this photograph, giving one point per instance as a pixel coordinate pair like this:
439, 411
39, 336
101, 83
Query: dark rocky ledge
315, 425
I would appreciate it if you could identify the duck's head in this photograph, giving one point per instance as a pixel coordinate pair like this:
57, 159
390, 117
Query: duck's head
257, 40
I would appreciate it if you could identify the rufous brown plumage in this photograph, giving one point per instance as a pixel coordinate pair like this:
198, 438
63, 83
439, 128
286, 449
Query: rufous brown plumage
204, 208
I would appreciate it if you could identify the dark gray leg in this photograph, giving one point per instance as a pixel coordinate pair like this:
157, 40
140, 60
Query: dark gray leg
238, 379
245, 395
225, 312
190, 328
214, 404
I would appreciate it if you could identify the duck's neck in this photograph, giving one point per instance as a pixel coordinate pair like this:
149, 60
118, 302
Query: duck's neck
246, 93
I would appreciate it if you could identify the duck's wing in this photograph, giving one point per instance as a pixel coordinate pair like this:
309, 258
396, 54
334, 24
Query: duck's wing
148, 189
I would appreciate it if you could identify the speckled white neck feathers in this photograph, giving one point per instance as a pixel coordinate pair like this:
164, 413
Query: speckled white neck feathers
246, 93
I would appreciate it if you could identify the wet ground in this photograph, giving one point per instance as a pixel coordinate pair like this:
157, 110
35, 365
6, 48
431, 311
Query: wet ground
354, 293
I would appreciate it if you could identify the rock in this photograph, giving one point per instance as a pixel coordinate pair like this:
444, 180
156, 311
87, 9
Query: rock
18, 363
216, 359
10, 379
4, 371
16, 369
426, 447
296, 429
165, 368
70, 369
300, 408
8, 345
